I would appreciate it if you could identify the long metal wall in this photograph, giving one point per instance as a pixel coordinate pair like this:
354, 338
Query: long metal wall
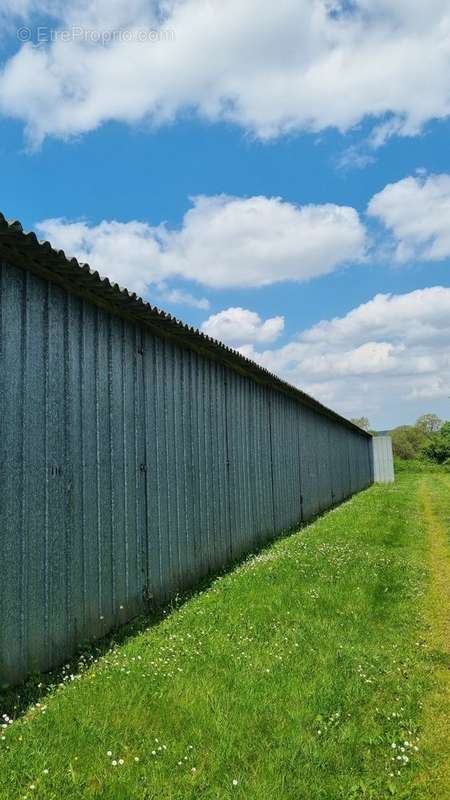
131, 467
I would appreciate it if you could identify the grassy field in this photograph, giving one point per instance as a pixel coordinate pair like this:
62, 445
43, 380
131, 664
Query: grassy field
319, 668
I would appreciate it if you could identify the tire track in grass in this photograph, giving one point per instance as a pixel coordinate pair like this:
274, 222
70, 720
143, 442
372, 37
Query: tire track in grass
434, 497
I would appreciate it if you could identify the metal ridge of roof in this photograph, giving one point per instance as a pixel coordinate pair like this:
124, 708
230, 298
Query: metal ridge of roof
23, 249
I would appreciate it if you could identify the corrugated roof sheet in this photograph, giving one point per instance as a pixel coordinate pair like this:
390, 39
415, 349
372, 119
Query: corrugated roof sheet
23, 249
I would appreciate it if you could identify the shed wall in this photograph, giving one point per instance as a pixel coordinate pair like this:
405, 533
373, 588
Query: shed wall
130, 468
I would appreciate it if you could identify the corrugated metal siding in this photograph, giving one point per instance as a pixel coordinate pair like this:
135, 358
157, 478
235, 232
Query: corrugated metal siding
131, 467
308, 463
383, 460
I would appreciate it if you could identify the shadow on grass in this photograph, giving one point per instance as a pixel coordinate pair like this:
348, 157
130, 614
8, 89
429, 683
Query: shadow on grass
16, 700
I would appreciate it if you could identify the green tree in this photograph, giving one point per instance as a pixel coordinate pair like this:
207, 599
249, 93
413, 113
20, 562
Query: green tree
429, 423
361, 422
438, 448
408, 441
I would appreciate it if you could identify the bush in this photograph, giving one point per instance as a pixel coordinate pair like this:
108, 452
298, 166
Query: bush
438, 448
408, 441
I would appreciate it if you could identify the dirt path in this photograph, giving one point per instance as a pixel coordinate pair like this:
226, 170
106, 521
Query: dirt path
434, 497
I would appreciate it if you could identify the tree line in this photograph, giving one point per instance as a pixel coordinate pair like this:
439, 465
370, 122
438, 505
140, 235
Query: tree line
428, 438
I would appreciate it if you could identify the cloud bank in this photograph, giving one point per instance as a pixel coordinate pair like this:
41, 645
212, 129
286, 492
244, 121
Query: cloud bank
376, 360
271, 68
235, 325
416, 210
223, 242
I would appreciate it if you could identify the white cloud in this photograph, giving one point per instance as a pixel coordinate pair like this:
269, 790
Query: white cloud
414, 317
128, 253
270, 67
354, 157
229, 241
182, 298
417, 212
223, 242
388, 358
237, 325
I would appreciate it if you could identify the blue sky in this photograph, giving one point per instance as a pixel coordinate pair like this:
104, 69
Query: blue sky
304, 220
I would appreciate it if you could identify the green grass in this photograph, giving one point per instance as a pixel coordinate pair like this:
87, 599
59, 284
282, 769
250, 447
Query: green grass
435, 506
290, 678
421, 465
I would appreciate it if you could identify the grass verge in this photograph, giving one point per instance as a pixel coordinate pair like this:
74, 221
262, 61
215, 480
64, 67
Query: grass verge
434, 497
303, 674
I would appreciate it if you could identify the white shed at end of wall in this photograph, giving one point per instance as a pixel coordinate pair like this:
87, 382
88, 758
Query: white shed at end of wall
383, 460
